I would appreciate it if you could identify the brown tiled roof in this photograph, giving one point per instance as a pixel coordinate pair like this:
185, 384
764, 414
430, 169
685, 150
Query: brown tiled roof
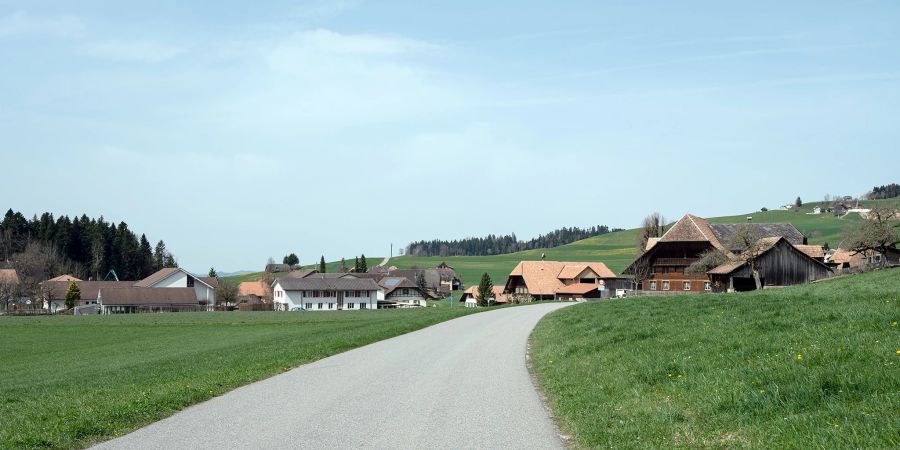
89, 289
725, 231
651, 242
299, 273
257, 288
156, 277
813, 251
691, 228
9, 276
148, 296
211, 281
64, 278
543, 277
499, 296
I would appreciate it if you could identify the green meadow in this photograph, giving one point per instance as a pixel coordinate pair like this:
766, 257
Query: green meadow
72, 381
815, 366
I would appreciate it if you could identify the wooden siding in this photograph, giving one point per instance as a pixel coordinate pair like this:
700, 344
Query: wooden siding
784, 266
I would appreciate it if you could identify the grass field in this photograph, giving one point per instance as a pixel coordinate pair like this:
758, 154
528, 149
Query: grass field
617, 250
70, 381
815, 366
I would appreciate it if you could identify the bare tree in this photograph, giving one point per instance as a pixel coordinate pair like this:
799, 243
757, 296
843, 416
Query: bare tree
653, 226
877, 234
36, 264
640, 270
748, 247
9, 288
227, 292
709, 260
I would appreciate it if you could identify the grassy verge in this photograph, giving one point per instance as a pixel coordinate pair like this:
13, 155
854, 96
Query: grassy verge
815, 366
71, 381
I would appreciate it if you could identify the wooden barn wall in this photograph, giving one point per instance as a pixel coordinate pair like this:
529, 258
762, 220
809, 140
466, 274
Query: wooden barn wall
783, 266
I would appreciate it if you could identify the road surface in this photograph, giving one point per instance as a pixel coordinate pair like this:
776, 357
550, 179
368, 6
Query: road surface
459, 384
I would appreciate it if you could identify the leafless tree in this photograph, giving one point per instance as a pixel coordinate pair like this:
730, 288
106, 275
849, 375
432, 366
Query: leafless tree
709, 260
640, 270
653, 226
36, 264
227, 292
748, 249
876, 234
9, 288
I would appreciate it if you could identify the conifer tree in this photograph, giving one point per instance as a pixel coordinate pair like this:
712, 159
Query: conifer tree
343, 268
363, 265
212, 273
485, 290
73, 294
322, 264
356, 265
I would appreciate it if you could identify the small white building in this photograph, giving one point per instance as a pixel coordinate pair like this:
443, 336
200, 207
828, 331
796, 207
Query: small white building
176, 277
324, 294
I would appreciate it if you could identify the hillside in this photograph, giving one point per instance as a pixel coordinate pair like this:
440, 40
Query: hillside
617, 249
811, 366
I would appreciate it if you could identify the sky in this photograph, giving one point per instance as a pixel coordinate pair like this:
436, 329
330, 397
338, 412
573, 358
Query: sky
237, 131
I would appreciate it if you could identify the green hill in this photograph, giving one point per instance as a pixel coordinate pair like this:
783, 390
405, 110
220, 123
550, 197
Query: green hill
617, 249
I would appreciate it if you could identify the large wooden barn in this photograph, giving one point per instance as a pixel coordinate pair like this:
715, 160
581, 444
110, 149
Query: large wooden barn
779, 264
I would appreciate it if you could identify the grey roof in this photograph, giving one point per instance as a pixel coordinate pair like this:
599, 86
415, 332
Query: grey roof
329, 275
327, 284
164, 273
724, 231
148, 296
56, 290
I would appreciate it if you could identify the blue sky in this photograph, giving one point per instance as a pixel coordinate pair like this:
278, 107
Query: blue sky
238, 131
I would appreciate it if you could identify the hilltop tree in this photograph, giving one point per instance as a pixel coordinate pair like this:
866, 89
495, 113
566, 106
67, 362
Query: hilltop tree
322, 264
73, 295
212, 273
485, 290
363, 265
291, 260
798, 203
356, 265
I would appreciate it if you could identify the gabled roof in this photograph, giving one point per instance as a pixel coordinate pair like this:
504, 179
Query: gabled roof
499, 296
577, 289
56, 290
765, 245
725, 231
813, 251
257, 288
327, 284
651, 242
691, 228
64, 278
164, 273
391, 284
144, 296
299, 273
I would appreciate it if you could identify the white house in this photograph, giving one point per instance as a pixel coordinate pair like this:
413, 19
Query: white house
176, 277
324, 294
402, 292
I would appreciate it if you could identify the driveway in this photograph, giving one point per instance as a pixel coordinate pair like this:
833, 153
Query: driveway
458, 384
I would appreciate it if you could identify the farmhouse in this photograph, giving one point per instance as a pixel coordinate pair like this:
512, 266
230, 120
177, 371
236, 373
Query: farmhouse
253, 291
55, 292
470, 296
663, 265
324, 294
439, 281
849, 261
136, 299
779, 264
550, 280
401, 293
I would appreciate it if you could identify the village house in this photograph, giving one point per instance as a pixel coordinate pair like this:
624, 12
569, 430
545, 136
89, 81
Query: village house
470, 296
176, 277
848, 261
552, 280
253, 292
325, 294
663, 266
54, 292
439, 281
399, 292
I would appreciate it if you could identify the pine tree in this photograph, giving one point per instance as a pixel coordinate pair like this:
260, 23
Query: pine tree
212, 272
363, 265
146, 257
322, 264
485, 290
343, 268
798, 203
356, 265
73, 294
159, 255
420, 280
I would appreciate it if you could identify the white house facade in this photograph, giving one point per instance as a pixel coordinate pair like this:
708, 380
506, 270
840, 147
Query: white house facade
175, 277
325, 294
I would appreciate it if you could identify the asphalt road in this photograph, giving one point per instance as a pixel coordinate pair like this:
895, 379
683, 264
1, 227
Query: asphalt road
459, 384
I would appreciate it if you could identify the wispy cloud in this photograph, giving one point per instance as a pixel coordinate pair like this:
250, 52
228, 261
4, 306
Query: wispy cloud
141, 51
21, 23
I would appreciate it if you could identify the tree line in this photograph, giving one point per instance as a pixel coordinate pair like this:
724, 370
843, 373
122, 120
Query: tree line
887, 191
498, 245
83, 246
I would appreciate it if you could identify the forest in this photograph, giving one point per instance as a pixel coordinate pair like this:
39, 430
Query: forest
498, 245
82, 246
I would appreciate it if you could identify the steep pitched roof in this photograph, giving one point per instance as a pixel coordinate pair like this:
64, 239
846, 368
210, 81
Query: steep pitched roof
256, 288
64, 278
765, 245
692, 228
144, 296
164, 273
725, 231
391, 284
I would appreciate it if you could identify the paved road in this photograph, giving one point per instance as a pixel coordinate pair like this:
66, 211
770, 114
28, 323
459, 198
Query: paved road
459, 384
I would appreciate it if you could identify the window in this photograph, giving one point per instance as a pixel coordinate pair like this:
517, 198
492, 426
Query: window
349, 305
315, 294
665, 285
653, 285
309, 306
331, 306
686, 285
320, 305
190, 281
405, 291
362, 306
357, 294
707, 286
